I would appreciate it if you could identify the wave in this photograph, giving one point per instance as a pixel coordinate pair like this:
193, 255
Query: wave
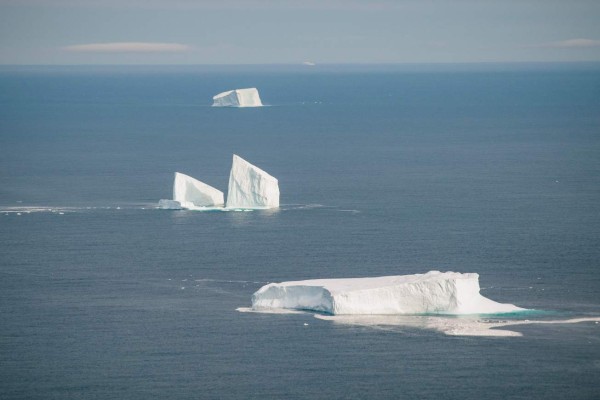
64, 209
20, 210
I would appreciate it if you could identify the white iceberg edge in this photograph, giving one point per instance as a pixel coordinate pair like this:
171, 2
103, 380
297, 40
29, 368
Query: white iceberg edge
444, 293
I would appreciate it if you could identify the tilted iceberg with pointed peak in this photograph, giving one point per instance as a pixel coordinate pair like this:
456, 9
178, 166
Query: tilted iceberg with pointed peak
431, 293
251, 187
190, 193
238, 98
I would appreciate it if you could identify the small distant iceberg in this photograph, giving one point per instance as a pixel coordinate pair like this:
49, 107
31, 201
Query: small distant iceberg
309, 63
191, 193
249, 188
431, 293
238, 98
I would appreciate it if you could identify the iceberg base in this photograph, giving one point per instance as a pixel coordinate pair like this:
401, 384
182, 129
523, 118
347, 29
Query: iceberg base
166, 204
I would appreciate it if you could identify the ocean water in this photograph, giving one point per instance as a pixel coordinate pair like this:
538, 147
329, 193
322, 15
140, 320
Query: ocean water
383, 170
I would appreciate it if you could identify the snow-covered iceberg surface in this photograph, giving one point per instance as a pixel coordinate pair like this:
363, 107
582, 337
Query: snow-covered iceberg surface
190, 193
431, 293
238, 98
251, 187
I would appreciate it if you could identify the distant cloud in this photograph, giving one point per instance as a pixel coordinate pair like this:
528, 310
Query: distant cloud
571, 44
128, 47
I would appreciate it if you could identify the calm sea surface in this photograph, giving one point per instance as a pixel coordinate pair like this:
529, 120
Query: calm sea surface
383, 171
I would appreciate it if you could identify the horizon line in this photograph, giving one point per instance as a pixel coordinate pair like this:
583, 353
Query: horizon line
299, 64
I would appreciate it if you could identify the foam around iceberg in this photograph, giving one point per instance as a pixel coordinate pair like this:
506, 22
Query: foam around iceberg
431, 293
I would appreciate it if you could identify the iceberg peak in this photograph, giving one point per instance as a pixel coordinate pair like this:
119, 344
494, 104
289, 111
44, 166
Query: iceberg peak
251, 187
238, 98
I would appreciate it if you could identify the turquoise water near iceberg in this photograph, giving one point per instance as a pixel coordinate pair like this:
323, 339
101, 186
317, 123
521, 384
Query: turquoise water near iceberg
383, 170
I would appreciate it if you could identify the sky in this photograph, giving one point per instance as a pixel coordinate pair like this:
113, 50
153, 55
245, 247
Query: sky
67, 32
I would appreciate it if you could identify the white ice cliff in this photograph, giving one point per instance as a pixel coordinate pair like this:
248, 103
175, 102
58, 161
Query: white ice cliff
431, 293
251, 187
189, 193
238, 98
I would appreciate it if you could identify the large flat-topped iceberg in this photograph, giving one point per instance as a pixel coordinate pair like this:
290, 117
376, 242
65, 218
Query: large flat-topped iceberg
251, 187
431, 293
238, 98
190, 193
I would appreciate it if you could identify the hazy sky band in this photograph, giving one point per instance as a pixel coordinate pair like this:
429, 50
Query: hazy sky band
128, 47
286, 31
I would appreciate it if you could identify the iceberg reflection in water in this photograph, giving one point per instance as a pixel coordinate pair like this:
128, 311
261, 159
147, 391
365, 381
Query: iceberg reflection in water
453, 326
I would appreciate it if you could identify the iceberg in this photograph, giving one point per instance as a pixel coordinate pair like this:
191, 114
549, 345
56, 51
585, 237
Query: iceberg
191, 193
251, 187
431, 293
238, 98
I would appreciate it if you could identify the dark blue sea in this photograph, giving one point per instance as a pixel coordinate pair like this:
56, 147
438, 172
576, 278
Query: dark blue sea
383, 170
